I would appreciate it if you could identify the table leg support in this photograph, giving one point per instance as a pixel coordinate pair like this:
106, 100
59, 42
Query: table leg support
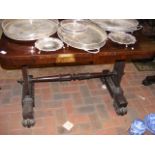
111, 79
27, 99
114, 88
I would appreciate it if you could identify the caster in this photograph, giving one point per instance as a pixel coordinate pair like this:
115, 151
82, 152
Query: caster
28, 123
120, 110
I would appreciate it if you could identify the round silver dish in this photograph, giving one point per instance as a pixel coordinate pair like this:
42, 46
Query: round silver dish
29, 29
73, 25
125, 25
90, 40
49, 44
122, 38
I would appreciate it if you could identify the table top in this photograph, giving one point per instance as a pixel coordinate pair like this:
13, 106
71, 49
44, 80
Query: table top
24, 53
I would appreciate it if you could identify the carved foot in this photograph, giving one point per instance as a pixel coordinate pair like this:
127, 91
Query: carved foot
28, 123
120, 110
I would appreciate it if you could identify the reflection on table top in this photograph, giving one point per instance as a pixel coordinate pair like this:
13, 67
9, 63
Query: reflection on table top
24, 53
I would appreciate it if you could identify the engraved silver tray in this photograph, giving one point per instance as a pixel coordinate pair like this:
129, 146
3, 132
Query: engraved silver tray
90, 40
122, 38
29, 29
126, 25
49, 44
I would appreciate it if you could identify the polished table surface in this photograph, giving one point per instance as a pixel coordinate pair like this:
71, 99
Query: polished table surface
24, 53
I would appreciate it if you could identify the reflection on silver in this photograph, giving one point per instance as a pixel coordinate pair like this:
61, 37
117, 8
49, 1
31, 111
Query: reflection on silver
29, 29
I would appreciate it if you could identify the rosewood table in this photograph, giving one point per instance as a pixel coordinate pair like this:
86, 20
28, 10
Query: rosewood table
23, 55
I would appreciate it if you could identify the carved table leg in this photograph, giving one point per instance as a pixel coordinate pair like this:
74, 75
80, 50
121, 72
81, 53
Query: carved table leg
149, 80
113, 85
27, 99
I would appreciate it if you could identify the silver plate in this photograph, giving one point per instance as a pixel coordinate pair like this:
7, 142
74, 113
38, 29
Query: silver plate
126, 25
29, 29
92, 39
73, 25
49, 44
122, 38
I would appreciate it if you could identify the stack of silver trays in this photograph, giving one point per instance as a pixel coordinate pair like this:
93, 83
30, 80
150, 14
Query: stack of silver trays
82, 34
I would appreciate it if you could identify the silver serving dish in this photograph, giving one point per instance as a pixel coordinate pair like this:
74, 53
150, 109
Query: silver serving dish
122, 38
73, 25
49, 44
90, 40
125, 25
29, 29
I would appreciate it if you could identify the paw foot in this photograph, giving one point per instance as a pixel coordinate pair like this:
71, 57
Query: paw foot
120, 110
28, 123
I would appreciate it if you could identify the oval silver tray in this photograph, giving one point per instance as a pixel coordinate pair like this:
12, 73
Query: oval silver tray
90, 40
122, 38
126, 25
29, 29
73, 25
49, 44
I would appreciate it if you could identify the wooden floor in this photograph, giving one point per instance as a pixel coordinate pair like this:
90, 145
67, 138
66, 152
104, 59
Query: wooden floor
86, 104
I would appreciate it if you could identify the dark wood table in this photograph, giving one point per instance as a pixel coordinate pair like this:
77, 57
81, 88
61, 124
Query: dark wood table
23, 55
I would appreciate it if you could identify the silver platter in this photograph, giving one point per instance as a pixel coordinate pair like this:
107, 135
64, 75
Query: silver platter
49, 44
90, 40
73, 25
29, 29
122, 38
126, 25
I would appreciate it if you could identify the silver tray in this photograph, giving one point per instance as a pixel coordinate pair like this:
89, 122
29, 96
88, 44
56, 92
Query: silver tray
73, 25
126, 25
29, 29
49, 44
122, 38
90, 40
